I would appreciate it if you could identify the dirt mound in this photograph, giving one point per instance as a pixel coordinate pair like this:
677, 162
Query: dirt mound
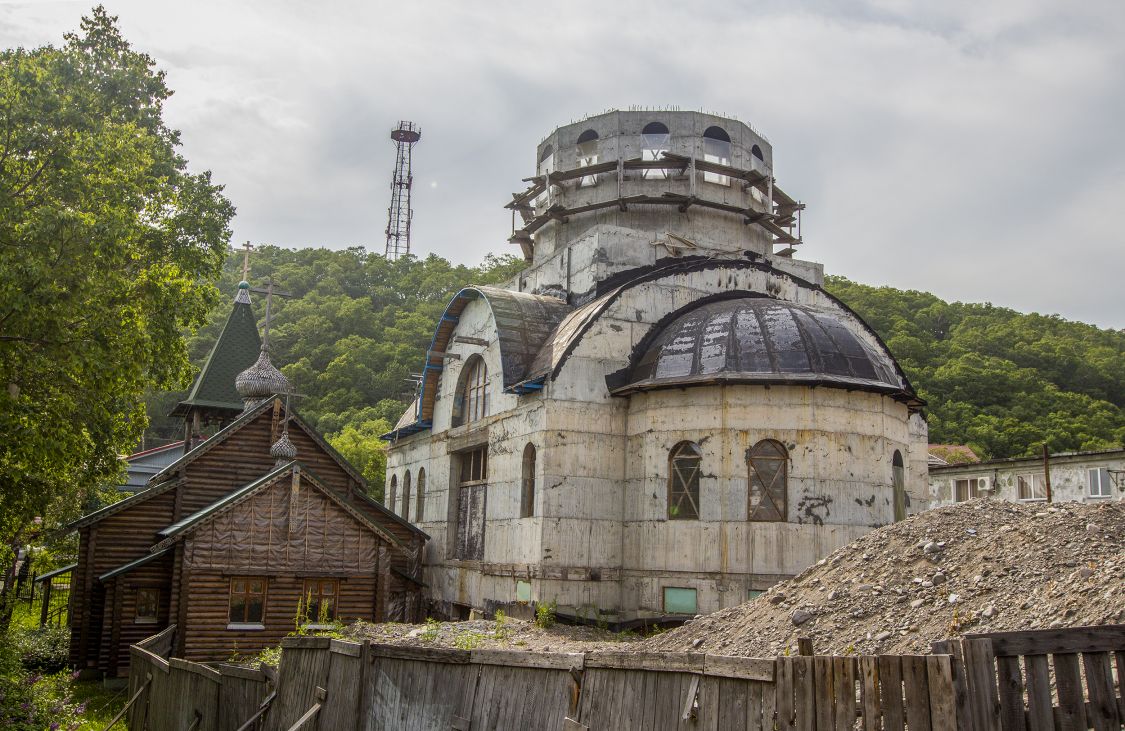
981, 566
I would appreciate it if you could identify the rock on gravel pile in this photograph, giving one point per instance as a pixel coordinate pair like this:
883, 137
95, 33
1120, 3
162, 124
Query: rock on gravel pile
981, 566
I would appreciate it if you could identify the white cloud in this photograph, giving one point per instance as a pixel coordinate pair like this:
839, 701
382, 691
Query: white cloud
964, 148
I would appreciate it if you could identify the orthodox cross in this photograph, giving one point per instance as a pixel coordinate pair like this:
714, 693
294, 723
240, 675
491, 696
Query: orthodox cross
248, 247
269, 291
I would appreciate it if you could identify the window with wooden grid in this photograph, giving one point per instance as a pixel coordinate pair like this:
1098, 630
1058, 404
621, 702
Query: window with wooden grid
527, 493
471, 403
247, 600
769, 481
683, 481
320, 600
148, 604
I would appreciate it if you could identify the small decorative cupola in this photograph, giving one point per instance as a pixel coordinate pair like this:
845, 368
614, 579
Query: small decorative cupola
260, 381
283, 449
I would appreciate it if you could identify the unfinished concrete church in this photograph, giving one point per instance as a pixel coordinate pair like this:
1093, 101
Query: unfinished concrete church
664, 413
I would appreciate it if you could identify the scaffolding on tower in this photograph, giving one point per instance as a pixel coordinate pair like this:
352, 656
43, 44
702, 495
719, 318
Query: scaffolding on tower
400, 212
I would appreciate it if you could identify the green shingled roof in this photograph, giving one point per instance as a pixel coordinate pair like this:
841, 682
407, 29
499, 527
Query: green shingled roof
235, 350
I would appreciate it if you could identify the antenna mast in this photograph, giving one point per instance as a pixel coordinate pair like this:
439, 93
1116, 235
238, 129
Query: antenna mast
400, 213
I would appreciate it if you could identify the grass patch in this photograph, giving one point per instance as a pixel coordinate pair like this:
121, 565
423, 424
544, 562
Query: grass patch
101, 704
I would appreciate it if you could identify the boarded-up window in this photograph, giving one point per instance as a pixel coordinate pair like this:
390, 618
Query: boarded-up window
406, 496
769, 481
471, 402
148, 603
471, 495
420, 488
320, 600
247, 600
527, 483
393, 493
683, 481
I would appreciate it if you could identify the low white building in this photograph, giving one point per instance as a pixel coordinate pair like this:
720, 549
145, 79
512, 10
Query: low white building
1074, 476
665, 413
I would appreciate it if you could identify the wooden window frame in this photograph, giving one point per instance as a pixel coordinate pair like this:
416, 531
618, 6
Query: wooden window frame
769, 491
244, 622
316, 593
471, 402
683, 481
154, 618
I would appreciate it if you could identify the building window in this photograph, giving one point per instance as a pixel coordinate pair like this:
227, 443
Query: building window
769, 481
1100, 484
680, 600
757, 152
527, 493
683, 481
392, 494
471, 403
898, 483
320, 600
587, 156
716, 149
421, 499
1031, 487
655, 141
247, 600
148, 604
406, 496
969, 489
468, 540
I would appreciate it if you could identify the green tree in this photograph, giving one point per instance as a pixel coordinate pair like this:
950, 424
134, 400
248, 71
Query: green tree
361, 445
107, 247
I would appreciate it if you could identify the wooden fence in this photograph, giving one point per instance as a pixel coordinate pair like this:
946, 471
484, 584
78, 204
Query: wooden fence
1041, 680
330, 684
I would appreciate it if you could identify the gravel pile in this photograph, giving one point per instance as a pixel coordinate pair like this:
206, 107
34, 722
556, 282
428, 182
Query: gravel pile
981, 566
491, 634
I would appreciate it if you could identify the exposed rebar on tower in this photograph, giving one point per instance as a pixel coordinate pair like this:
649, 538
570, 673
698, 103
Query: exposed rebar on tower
400, 213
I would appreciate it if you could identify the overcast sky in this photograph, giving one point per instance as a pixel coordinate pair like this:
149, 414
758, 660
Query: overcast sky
972, 149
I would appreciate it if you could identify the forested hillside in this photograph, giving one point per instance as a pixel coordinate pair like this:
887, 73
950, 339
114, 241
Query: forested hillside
998, 380
358, 326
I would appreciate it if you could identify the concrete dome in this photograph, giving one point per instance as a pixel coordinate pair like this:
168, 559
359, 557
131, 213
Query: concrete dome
750, 339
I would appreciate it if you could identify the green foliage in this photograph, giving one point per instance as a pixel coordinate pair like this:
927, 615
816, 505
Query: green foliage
30, 700
1001, 381
430, 633
360, 444
42, 649
108, 248
545, 615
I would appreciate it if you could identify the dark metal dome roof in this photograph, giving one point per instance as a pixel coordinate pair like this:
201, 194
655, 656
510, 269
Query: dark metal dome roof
760, 340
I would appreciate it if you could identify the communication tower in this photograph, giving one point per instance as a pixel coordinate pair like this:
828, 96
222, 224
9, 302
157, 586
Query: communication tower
400, 213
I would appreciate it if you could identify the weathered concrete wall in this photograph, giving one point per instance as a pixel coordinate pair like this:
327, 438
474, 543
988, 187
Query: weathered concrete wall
1070, 477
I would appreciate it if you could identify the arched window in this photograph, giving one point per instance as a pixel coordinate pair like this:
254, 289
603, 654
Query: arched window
757, 152
392, 493
655, 140
420, 501
898, 479
527, 482
471, 402
716, 149
406, 496
769, 481
683, 481
587, 156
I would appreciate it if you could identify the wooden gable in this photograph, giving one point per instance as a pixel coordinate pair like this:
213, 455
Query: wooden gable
289, 526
